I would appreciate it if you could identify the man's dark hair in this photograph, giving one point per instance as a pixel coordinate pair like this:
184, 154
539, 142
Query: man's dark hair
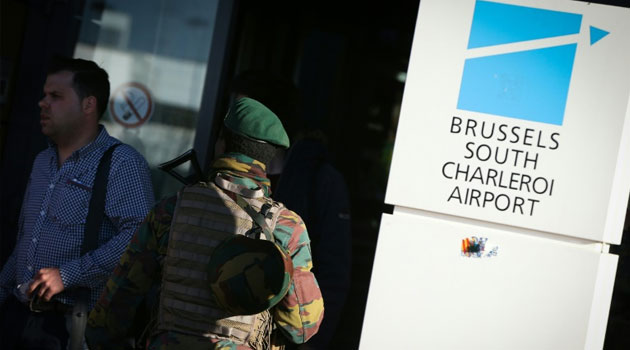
89, 79
261, 151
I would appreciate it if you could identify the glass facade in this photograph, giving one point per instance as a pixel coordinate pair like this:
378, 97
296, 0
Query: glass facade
156, 54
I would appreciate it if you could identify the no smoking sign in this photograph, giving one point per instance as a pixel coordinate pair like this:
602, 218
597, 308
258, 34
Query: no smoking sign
131, 105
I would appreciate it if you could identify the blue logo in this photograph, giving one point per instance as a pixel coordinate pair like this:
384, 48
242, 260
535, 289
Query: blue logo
530, 85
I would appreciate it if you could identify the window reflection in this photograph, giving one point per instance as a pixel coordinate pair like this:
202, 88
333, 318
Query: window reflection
156, 54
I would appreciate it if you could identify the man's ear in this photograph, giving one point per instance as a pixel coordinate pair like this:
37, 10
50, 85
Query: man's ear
88, 105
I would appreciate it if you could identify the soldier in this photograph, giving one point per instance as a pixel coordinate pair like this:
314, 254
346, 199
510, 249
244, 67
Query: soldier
304, 179
208, 289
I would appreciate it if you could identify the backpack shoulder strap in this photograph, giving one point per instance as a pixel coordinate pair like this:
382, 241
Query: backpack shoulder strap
90, 239
97, 202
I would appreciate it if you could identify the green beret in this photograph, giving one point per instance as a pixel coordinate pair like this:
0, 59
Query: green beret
250, 118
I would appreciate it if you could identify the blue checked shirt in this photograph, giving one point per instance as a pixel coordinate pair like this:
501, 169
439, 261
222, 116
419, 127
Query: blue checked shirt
55, 208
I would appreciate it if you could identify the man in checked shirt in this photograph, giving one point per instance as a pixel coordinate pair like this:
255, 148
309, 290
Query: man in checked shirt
47, 262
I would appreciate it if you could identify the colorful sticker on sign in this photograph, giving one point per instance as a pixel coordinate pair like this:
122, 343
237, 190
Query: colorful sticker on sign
529, 85
475, 247
131, 105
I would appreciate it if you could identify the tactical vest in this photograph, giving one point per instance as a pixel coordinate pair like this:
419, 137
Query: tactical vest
204, 217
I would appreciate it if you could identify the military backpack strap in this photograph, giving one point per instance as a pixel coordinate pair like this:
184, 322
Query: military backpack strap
241, 193
238, 189
258, 218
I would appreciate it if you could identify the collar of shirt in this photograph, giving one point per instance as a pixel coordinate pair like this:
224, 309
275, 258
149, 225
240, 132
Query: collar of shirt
102, 139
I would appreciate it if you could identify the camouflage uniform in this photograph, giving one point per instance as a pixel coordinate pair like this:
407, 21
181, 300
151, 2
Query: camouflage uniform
136, 280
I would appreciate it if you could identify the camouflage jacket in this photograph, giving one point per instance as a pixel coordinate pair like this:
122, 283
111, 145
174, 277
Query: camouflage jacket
134, 285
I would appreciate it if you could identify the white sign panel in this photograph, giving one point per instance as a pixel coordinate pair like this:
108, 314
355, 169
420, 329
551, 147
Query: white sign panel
517, 112
446, 285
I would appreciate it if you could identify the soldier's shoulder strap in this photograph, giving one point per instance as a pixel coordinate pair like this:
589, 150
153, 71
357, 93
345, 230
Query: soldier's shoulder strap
265, 217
